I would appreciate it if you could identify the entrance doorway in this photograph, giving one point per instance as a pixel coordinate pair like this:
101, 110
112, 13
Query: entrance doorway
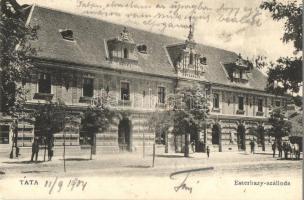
124, 135
241, 137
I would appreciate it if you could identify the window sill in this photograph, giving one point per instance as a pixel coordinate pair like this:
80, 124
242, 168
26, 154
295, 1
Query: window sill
43, 96
259, 113
240, 112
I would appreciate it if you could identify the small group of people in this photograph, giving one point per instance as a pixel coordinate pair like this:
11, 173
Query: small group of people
48, 141
288, 148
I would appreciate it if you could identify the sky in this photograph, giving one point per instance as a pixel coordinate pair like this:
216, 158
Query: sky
235, 25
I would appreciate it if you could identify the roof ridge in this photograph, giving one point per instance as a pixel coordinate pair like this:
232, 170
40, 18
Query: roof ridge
132, 27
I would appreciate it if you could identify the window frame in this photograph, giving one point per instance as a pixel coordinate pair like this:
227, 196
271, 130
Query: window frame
241, 106
50, 82
260, 105
216, 102
161, 94
129, 91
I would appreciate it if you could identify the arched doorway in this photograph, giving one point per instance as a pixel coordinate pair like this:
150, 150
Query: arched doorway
241, 139
216, 136
124, 135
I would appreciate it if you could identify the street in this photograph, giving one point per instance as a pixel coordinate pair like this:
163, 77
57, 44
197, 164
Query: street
128, 175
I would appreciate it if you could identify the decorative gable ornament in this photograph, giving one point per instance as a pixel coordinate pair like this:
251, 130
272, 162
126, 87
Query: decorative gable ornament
125, 36
187, 61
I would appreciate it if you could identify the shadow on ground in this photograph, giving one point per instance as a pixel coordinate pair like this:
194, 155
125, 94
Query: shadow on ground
263, 153
76, 159
171, 156
138, 166
289, 159
33, 172
23, 162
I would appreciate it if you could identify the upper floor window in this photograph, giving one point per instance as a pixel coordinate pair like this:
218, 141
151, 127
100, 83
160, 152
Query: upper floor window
216, 101
161, 94
260, 105
241, 74
88, 88
191, 59
125, 53
124, 91
241, 103
44, 83
278, 103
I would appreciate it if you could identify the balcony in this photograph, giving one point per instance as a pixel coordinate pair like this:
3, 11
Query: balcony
161, 105
43, 96
259, 113
240, 112
84, 99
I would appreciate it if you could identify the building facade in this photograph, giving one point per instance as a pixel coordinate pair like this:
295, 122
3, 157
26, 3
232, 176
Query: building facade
82, 58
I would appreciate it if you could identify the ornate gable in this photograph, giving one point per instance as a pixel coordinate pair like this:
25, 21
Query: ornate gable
187, 61
239, 71
122, 48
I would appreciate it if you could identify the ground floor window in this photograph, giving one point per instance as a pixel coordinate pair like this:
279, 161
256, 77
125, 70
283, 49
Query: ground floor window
4, 134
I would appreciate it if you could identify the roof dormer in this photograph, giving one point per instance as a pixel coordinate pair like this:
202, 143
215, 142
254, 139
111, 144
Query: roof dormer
238, 71
122, 49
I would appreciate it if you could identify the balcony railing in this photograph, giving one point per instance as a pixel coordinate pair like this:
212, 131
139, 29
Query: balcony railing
240, 112
124, 103
259, 113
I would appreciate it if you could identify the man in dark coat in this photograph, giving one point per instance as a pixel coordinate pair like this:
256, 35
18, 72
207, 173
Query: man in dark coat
252, 146
273, 149
280, 149
35, 149
50, 145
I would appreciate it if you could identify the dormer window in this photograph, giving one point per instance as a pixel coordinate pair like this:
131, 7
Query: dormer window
142, 48
122, 49
67, 34
203, 61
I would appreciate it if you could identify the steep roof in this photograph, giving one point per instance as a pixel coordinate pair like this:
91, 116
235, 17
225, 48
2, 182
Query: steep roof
89, 49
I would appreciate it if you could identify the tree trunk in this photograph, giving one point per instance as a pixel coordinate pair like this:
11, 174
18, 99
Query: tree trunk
166, 142
186, 151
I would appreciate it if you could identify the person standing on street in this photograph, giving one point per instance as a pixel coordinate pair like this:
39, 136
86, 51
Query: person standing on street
273, 148
208, 151
252, 146
35, 149
280, 149
50, 145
